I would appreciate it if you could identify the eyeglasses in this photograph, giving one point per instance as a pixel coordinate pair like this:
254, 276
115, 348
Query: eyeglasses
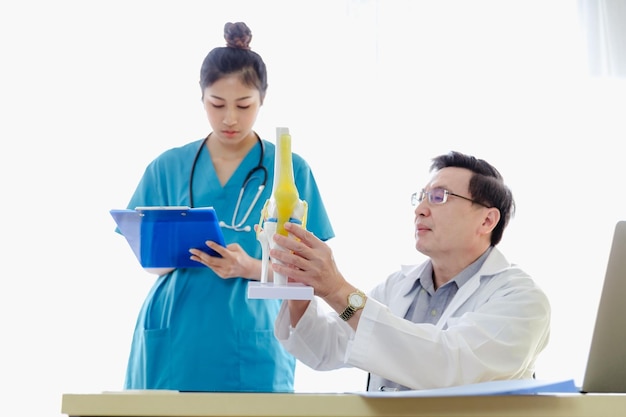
438, 196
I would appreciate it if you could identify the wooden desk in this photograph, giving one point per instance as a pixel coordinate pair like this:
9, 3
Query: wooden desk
174, 404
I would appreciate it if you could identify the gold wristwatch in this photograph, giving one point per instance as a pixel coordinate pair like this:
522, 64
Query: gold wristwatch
356, 301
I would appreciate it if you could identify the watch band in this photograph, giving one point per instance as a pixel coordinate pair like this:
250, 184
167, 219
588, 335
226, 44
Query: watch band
347, 313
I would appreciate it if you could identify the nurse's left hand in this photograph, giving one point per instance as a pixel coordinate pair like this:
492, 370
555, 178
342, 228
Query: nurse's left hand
234, 263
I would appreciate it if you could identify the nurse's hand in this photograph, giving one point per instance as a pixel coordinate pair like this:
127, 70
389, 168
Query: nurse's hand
234, 263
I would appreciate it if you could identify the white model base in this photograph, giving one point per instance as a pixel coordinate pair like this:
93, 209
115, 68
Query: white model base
289, 291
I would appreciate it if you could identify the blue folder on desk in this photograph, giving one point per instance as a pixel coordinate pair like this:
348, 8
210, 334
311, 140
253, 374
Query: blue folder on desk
161, 237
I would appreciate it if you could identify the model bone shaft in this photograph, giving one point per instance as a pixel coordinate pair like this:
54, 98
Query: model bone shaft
285, 193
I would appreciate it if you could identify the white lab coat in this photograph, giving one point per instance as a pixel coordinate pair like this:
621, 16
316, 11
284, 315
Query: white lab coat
494, 329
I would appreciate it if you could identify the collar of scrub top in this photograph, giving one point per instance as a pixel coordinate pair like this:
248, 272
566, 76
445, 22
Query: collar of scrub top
234, 225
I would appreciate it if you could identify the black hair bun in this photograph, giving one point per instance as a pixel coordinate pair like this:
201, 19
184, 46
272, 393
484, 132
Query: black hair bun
237, 35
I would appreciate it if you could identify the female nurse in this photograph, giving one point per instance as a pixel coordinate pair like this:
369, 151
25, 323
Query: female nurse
197, 330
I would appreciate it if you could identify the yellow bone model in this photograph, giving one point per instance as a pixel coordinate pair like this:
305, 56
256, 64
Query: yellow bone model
284, 205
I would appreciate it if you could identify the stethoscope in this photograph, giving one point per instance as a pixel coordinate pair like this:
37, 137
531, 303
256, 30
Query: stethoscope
237, 227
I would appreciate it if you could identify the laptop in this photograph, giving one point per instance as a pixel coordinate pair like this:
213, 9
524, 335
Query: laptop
606, 364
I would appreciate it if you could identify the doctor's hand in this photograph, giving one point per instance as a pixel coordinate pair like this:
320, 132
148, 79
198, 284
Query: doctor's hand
307, 260
234, 263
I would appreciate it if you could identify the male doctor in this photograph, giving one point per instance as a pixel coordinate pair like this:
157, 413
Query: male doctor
465, 315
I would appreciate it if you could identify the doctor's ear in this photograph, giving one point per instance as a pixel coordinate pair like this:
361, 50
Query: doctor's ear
491, 219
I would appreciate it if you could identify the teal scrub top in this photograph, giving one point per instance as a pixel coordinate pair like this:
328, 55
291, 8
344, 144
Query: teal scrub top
197, 331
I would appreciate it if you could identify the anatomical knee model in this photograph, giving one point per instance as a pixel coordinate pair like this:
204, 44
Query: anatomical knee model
283, 206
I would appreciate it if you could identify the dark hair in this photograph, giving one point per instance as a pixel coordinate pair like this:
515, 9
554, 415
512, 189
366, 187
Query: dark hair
486, 186
235, 58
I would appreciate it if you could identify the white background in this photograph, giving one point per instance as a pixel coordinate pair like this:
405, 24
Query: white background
92, 91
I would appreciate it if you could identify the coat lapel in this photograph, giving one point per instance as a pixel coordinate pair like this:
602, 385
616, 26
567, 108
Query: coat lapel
493, 265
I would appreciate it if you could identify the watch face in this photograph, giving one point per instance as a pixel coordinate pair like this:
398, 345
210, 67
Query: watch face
356, 300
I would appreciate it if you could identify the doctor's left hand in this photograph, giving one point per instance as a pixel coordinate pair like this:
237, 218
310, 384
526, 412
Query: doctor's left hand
234, 263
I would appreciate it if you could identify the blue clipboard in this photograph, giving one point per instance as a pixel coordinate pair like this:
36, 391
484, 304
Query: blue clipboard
161, 237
